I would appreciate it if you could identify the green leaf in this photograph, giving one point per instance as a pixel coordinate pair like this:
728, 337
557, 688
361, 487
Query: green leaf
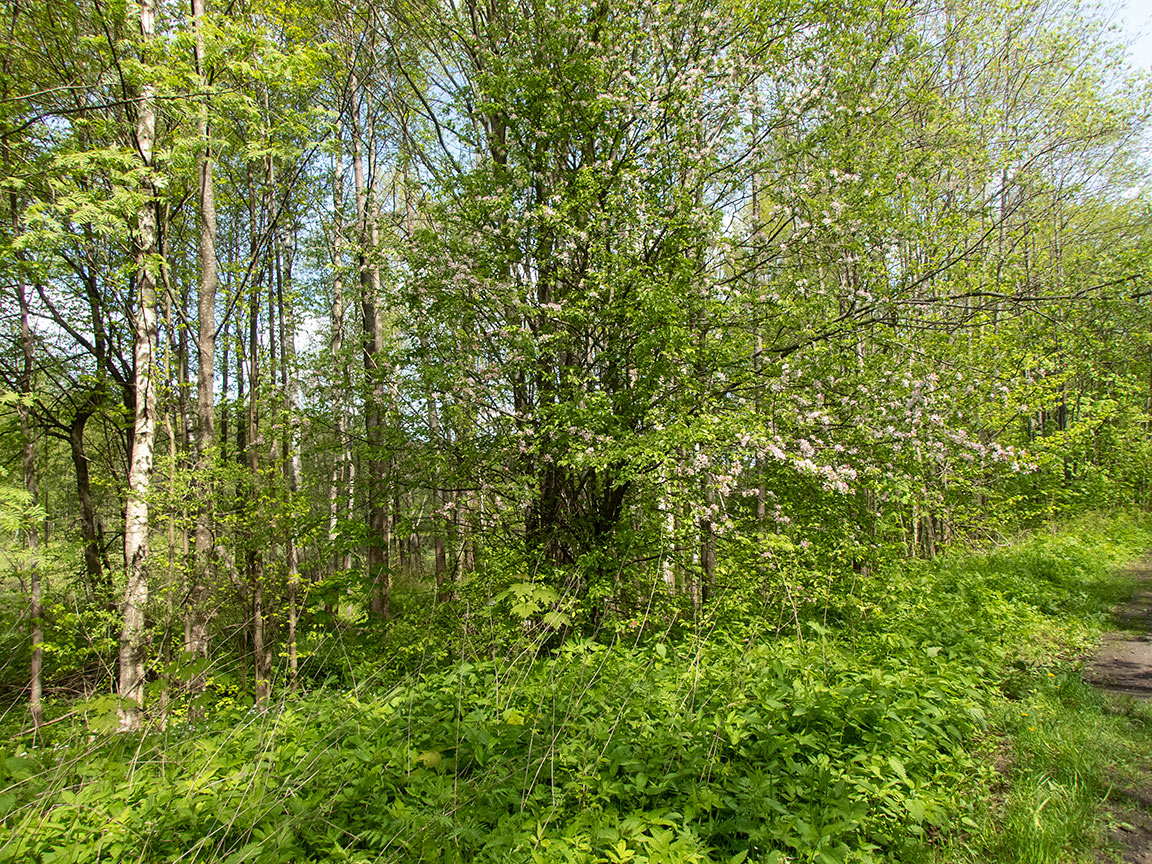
898, 766
556, 619
915, 809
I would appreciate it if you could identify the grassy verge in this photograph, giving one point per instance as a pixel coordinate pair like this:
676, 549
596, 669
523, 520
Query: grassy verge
1073, 759
874, 734
1073, 762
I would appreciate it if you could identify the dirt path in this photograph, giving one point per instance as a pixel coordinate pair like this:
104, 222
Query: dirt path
1123, 666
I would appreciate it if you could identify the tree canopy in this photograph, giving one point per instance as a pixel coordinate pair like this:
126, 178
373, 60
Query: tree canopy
444, 331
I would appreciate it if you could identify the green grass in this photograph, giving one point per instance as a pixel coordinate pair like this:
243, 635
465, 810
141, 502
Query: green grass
1066, 752
1068, 755
942, 719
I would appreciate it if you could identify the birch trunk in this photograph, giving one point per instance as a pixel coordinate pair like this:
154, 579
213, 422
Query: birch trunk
31, 535
343, 460
291, 443
196, 633
132, 634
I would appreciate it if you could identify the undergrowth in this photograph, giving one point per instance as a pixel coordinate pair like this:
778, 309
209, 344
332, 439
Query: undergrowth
1070, 757
875, 739
1073, 761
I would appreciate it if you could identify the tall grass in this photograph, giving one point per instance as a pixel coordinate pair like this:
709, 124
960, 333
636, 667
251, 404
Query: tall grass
873, 739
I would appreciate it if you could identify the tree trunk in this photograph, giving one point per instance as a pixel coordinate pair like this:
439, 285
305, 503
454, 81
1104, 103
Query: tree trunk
291, 442
439, 504
89, 535
708, 540
262, 660
28, 457
373, 336
261, 655
31, 535
196, 633
132, 636
343, 459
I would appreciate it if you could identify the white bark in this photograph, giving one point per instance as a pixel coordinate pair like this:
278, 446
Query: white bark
31, 535
132, 635
197, 612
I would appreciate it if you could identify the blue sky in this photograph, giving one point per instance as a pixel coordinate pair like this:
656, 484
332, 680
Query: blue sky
1135, 16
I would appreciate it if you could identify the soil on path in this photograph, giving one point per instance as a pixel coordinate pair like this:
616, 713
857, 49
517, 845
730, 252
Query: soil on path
1123, 666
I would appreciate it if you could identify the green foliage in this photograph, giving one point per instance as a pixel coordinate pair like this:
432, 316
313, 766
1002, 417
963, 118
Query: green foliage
1070, 759
708, 324
841, 743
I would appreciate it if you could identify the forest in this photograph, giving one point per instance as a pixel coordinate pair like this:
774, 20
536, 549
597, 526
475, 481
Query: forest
554, 431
